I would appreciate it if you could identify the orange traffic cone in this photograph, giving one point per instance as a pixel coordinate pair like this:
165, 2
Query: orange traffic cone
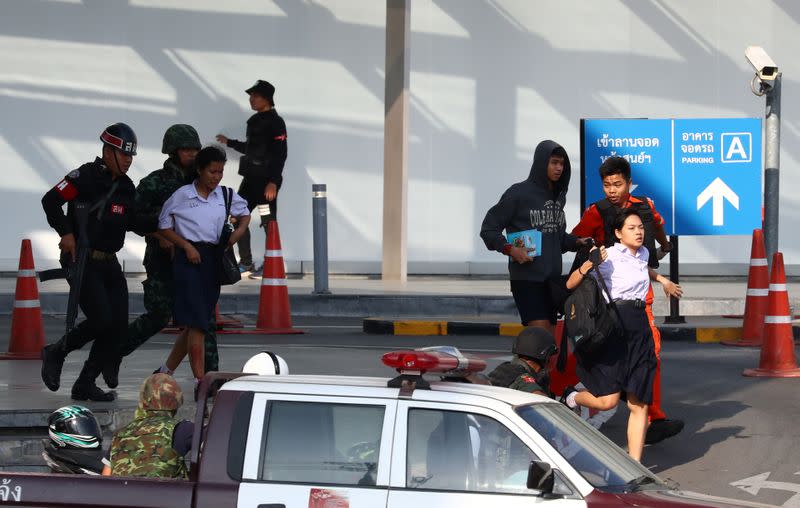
274, 317
757, 300
777, 351
273, 307
27, 330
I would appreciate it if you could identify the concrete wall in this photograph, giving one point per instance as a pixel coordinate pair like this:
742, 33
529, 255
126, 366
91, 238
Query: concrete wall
489, 79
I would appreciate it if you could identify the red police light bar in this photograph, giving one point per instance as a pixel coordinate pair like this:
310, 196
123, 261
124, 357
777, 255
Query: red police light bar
420, 362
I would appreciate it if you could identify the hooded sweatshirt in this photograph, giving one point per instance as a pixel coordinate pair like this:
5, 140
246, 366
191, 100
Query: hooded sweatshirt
532, 204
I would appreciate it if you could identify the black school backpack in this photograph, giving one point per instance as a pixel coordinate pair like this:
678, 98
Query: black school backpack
589, 321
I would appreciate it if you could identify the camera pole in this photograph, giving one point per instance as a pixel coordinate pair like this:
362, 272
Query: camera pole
772, 163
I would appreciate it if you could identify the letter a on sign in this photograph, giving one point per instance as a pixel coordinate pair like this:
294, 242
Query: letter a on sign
733, 147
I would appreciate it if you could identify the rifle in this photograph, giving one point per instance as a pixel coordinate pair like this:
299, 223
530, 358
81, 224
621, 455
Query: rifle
73, 270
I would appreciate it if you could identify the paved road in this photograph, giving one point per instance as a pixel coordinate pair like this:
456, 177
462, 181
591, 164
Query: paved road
736, 427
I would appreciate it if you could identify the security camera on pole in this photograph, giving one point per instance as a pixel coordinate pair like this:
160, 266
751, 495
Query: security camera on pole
767, 81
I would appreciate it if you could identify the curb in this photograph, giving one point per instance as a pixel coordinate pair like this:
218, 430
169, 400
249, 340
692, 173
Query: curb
380, 326
333, 305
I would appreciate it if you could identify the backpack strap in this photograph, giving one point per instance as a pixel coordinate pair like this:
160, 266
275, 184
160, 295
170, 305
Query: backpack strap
227, 195
603, 206
561, 361
611, 302
608, 213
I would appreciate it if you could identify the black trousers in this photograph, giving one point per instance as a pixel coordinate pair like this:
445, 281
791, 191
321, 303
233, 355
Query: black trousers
254, 194
104, 302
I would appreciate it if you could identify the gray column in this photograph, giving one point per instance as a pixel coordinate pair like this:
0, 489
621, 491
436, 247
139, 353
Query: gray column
394, 264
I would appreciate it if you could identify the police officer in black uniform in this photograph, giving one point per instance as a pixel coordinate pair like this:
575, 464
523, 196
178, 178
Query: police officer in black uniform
527, 371
262, 163
109, 195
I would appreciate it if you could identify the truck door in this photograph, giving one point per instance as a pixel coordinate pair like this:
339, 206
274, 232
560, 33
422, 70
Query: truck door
464, 457
317, 452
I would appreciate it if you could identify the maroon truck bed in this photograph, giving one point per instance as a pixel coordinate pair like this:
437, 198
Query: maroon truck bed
36, 489
210, 479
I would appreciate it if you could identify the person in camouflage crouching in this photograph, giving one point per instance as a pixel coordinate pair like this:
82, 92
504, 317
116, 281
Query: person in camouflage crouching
528, 370
181, 143
154, 444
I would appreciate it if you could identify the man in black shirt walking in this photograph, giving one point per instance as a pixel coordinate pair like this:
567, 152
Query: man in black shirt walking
261, 166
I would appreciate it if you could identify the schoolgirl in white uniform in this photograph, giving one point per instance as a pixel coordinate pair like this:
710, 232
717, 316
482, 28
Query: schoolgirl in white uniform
192, 219
625, 368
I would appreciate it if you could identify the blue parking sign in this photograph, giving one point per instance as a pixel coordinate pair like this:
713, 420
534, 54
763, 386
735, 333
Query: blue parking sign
703, 175
717, 176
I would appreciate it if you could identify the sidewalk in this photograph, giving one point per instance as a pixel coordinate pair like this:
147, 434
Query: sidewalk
430, 296
421, 296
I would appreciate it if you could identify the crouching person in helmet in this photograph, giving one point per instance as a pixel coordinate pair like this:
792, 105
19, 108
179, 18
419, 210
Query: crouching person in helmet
527, 371
154, 443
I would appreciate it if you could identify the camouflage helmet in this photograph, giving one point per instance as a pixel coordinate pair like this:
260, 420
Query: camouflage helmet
160, 392
179, 136
535, 343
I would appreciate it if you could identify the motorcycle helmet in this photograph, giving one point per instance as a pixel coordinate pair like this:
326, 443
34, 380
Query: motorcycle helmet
74, 427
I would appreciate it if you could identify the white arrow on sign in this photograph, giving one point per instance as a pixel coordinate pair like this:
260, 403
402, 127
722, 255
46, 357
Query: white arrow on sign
717, 191
755, 483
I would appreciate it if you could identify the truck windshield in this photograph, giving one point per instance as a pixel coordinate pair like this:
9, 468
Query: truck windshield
602, 463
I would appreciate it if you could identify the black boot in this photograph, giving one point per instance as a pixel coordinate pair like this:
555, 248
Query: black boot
85, 387
111, 372
53, 357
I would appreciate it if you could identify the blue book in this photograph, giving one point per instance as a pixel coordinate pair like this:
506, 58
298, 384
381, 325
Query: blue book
530, 239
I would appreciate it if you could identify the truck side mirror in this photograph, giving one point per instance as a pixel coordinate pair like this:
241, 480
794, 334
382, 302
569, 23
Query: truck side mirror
541, 477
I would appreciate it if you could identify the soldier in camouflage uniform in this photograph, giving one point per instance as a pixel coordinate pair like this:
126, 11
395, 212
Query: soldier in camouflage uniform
181, 143
528, 371
154, 443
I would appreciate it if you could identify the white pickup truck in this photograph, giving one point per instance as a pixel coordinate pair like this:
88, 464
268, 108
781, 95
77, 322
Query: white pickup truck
356, 442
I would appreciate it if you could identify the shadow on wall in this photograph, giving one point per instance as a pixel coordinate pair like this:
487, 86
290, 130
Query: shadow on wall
570, 84
144, 65
151, 66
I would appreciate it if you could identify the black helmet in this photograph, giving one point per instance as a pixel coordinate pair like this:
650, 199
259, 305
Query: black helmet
121, 137
74, 427
535, 343
179, 136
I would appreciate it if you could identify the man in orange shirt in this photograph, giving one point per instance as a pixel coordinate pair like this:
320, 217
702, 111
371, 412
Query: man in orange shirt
597, 222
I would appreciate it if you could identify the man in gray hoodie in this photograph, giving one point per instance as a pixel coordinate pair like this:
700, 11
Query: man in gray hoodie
536, 203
